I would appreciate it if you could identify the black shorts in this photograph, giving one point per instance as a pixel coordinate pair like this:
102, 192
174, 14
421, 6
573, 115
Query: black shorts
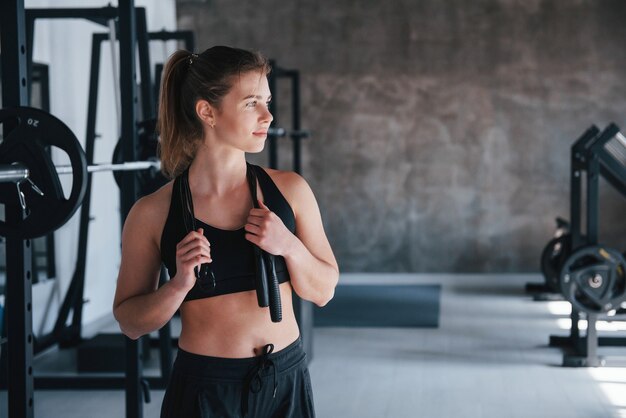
272, 385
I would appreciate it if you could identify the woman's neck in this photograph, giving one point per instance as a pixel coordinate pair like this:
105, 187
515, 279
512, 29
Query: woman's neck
217, 173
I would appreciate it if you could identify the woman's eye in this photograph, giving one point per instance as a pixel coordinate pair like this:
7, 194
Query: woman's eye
251, 104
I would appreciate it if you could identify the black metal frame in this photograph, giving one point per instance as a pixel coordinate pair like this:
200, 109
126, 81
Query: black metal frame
18, 360
295, 133
589, 159
186, 36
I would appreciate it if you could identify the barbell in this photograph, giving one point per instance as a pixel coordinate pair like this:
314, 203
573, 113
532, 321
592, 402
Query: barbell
24, 159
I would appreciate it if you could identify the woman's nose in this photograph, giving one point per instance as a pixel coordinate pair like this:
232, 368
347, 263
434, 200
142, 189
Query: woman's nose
267, 116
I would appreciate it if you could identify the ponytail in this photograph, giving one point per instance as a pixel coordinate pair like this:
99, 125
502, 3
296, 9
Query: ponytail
180, 132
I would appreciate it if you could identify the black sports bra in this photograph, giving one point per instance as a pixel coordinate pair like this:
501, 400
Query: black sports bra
233, 255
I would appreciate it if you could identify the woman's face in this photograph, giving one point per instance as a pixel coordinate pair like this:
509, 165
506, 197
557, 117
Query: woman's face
243, 116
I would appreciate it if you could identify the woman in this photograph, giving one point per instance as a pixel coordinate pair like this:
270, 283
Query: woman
233, 360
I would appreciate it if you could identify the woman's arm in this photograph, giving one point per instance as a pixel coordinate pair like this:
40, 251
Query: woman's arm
140, 306
309, 257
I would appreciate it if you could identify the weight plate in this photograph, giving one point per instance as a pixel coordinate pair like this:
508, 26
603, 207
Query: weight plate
552, 258
593, 279
151, 179
27, 143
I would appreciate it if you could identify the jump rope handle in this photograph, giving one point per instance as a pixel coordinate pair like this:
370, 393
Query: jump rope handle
268, 291
204, 274
276, 308
260, 279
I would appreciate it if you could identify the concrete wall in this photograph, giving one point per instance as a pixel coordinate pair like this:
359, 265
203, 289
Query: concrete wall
441, 128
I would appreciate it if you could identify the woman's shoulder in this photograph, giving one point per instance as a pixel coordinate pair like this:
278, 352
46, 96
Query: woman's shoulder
286, 180
291, 184
151, 211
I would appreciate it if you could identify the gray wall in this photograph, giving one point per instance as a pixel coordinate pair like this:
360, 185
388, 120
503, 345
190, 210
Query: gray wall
441, 128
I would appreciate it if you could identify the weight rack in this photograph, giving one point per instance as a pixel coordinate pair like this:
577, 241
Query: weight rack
594, 155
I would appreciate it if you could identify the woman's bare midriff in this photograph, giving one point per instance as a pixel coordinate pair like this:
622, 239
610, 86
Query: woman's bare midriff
234, 326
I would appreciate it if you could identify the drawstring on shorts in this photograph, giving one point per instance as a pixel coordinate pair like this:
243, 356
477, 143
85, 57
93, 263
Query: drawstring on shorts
253, 382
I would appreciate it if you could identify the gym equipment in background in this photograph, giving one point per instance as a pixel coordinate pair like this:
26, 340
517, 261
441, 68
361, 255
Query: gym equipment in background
296, 133
592, 277
554, 255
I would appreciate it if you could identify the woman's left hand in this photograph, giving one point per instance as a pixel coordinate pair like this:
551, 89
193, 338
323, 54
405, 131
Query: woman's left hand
266, 230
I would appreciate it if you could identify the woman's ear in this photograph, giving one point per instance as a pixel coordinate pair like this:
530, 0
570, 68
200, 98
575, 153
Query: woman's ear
205, 112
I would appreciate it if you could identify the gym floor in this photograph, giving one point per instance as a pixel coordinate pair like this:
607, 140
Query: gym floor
488, 358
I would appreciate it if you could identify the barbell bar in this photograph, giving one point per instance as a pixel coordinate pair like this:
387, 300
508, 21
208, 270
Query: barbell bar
13, 173
17, 172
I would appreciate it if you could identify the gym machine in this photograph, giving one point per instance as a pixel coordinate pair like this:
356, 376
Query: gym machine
590, 276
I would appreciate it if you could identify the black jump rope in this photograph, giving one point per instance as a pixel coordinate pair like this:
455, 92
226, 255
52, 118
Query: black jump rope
266, 280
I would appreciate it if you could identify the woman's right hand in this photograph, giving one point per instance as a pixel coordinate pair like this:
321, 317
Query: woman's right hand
192, 251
